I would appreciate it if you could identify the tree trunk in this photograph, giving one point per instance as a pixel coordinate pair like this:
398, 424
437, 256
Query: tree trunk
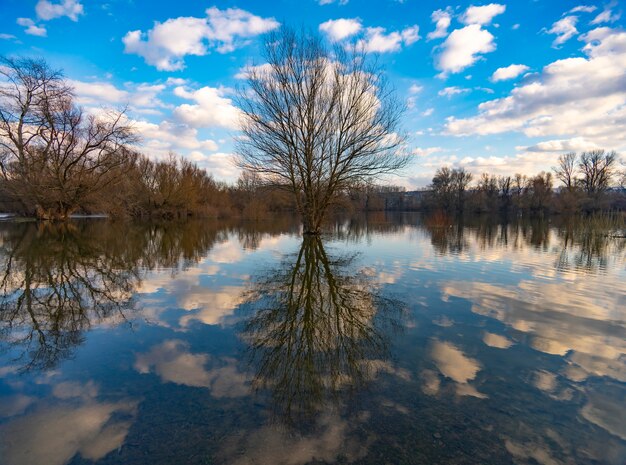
60, 213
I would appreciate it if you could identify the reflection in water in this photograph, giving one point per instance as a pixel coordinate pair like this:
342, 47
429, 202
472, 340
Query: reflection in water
319, 330
512, 349
74, 422
58, 281
584, 243
174, 363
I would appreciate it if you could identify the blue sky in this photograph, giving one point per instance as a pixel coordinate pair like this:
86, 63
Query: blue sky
499, 87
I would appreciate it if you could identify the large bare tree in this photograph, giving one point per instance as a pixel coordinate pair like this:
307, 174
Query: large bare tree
53, 156
318, 119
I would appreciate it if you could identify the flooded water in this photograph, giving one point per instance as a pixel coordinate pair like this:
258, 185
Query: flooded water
390, 340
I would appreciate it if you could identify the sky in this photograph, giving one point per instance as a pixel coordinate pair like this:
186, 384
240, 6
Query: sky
492, 87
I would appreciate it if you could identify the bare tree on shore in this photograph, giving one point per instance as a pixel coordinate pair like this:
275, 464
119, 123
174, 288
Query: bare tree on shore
54, 157
566, 170
597, 168
318, 120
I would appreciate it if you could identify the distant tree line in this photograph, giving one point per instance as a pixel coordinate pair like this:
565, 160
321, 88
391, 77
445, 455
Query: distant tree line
586, 182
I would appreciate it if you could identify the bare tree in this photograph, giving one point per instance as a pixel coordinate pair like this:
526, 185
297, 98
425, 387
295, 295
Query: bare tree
317, 120
460, 182
449, 186
566, 170
54, 156
597, 168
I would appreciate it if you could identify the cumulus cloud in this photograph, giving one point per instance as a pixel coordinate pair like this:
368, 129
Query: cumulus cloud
575, 144
168, 136
140, 98
496, 340
583, 96
220, 165
56, 430
377, 40
32, 28
463, 48
508, 72
426, 151
441, 18
370, 39
454, 364
482, 15
564, 29
340, 29
211, 108
174, 363
166, 44
47, 10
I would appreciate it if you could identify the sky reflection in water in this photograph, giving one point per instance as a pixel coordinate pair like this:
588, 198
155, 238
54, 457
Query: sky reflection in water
392, 340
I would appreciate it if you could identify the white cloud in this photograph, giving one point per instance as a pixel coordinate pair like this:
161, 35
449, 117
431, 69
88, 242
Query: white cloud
173, 362
508, 72
167, 136
575, 144
424, 152
55, 431
7, 36
482, 15
340, 29
441, 18
454, 364
370, 39
32, 28
47, 10
428, 112
219, 164
166, 44
140, 98
377, 40
328, 2
577, 97
583, 9
226, 26
211, 108
264, 69
415, 89
463, 48
496, 340
452, 90
564, 29
606, 16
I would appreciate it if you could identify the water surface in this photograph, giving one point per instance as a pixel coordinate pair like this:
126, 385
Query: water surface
392, 339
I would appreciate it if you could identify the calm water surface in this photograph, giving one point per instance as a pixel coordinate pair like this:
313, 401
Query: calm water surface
392, 340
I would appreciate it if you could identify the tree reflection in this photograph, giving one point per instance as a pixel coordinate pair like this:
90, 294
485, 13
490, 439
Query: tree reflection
320, 329
59, 280
583, 244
